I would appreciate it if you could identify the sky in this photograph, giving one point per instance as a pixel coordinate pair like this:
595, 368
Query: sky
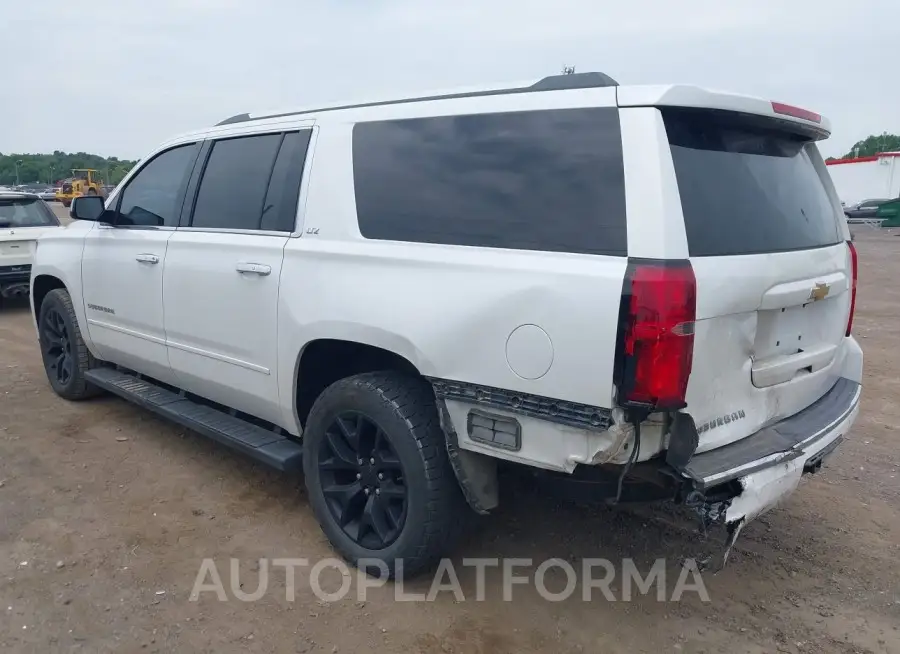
116, 77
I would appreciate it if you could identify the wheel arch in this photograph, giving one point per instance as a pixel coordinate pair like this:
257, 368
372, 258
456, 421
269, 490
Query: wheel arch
323, 361
40, 286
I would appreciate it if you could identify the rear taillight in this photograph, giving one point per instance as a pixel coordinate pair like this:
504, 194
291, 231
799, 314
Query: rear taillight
854, 275
657, 334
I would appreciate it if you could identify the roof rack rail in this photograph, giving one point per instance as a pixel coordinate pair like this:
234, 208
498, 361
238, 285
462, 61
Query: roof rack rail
551, 83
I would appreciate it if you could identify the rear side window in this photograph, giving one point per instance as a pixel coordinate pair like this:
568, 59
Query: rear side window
235, 181
746, 186
538, 180
252, 182
280, 207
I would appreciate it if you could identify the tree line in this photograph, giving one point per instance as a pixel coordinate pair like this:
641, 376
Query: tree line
50, 168
872, 145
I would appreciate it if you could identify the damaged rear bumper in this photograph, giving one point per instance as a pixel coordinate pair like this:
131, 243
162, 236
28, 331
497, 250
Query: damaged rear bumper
741, 481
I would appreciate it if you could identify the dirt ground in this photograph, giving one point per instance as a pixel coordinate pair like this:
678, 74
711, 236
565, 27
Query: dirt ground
106, 514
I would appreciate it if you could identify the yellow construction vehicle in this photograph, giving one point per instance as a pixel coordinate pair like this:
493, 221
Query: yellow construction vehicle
84, 181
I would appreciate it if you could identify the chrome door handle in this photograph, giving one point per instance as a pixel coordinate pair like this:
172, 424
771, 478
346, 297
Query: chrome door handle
256, 268
147, 258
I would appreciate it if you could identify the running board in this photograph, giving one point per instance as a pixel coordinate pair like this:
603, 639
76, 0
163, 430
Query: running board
261, 444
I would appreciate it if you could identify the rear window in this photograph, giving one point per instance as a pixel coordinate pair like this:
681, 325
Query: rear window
536, 180
745, 187
26, 212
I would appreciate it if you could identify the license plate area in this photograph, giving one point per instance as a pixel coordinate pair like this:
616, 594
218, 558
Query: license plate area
793, 330
15, 249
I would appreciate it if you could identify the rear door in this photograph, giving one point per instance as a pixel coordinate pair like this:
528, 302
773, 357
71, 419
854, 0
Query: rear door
223, 270
768, 248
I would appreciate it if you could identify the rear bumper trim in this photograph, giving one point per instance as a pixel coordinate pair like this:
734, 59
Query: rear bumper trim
784, 441
15, 274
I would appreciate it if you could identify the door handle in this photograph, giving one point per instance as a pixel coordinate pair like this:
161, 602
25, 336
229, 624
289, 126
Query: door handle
256, 268
147, 258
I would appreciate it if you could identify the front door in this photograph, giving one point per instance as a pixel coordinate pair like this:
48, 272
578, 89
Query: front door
123, 263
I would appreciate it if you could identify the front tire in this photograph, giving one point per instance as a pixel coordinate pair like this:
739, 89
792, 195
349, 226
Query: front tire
66, 357
378, 475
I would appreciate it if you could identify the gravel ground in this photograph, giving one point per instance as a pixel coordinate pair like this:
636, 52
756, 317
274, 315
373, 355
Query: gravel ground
106, 514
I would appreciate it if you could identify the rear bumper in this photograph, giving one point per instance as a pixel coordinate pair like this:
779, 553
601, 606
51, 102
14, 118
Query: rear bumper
815, 427
768, 465
15, 274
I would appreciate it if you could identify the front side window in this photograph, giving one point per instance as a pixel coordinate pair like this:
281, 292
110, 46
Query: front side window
154, 195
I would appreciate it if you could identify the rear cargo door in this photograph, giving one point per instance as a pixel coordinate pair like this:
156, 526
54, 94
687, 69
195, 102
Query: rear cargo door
773, 269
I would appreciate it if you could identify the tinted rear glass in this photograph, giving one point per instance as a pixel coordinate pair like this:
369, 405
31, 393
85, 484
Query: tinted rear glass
747, 187
26, 212
547, 180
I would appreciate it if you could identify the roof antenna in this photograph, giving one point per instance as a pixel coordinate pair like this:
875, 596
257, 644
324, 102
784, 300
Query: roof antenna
568, 70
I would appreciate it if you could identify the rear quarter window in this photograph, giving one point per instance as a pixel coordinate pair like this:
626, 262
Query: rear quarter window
746, 186
537, 180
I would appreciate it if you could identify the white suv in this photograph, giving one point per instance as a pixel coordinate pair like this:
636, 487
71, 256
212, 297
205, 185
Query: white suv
648, 290
23, 218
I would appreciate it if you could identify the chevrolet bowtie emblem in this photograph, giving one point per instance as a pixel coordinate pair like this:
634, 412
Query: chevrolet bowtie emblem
819, 292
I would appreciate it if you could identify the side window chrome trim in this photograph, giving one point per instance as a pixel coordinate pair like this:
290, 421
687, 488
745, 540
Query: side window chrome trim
225, 230
155, 228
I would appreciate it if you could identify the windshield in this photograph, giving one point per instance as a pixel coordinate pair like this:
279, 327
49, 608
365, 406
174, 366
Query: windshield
746, 186
26, 212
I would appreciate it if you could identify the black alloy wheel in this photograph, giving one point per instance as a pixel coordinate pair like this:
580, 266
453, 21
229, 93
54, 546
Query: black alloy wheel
378, 474
363, 481
56, 343
64, 353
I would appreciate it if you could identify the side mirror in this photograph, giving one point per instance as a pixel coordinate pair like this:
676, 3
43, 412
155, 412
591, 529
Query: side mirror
87, 207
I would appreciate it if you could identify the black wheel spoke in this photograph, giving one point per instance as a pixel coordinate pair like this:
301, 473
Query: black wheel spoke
350, 432
374, 517
345, 456
392, 491
51, 333
67, 368
390, 462
349, 500
343, 493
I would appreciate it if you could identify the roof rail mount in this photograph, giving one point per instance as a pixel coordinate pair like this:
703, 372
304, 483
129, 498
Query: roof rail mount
574, 81
237, 118
552, 83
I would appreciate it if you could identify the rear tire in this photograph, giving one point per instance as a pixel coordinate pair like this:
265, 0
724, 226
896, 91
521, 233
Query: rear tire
66, 357
407, 505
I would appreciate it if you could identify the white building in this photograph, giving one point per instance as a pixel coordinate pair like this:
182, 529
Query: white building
866, 178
